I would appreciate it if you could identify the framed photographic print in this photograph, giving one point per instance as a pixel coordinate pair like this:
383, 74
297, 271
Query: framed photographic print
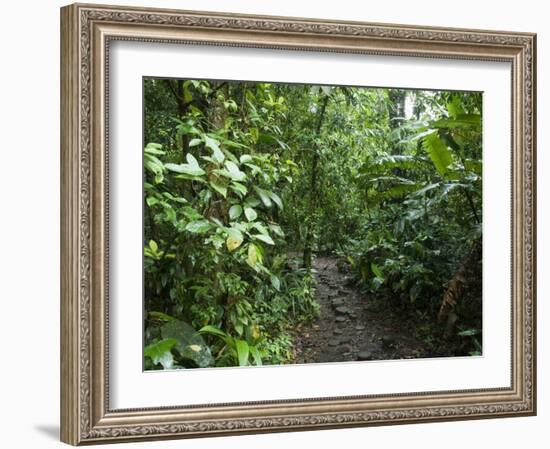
280, 224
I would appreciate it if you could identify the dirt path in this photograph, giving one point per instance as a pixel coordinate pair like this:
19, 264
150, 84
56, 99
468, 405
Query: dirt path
346, 329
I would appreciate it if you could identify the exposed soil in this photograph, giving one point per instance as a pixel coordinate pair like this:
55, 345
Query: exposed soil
347, 328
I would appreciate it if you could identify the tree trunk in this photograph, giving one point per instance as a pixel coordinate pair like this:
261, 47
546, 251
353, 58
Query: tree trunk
308, 245
458, 285
176, 87
397, 110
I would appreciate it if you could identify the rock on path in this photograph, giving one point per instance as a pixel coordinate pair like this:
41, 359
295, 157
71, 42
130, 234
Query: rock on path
345, 330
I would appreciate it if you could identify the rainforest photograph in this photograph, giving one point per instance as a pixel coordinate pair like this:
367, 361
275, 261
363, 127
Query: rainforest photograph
299, 223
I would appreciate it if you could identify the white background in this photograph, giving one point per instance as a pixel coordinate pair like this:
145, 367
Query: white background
29, 391
132, 388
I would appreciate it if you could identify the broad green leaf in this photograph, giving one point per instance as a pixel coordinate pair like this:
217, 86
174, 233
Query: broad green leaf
277, 230
154, 145
260, 227
187, 95
214, 145
243, 350
152, 251
455, 107
245, 158
276, 199
209, 329
159, 178
239, 327
190, 213
191, 168
199, 226
256, 355
177, 199
250, 214
189, 343
468, 332
252, 258
239, 188
151, 201
220, 188
186, 128
160, 352
186, 169
255, 168
222, 172
264, 238
234, 172
438, 152
235, 211
264, 196
275, 282
194, 142
153, 164
154, 148
191, 160
376, 270
252, 202
216, 221
170, 213
233, 242
235, 233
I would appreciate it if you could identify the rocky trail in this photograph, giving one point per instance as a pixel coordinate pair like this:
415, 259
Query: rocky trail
347, 329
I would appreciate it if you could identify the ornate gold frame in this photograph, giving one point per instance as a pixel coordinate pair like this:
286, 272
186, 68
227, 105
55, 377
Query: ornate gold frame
86, 31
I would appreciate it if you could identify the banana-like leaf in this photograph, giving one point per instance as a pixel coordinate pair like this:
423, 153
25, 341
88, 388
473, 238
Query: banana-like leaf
256, 355
460, 121
438, 152
243, 350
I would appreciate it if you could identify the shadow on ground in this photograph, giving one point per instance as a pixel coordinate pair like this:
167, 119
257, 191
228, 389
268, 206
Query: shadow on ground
50, 431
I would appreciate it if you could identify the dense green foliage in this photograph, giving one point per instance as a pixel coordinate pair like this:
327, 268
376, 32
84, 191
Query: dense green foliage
245, 182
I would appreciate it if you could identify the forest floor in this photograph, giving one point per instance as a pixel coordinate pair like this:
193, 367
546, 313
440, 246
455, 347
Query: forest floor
347, 328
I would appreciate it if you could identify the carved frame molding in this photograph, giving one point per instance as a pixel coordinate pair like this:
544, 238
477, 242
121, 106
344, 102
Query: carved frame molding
87, 31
